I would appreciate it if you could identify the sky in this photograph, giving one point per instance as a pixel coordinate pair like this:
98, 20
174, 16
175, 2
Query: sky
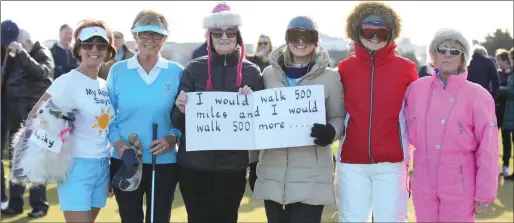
420, 19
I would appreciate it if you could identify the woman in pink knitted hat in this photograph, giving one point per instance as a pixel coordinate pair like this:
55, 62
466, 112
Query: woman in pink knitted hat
213, 183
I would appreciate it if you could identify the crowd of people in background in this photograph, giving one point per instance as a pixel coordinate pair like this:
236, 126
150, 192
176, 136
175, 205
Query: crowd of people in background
466, 95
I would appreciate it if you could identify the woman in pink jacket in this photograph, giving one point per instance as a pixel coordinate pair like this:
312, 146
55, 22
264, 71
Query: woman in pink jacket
452, 125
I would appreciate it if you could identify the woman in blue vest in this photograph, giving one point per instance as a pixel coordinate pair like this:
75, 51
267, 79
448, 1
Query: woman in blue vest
142, 90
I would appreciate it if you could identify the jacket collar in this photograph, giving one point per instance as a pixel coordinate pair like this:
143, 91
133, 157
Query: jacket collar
381, 56
133, 63
219, 59
37, 46
454, 81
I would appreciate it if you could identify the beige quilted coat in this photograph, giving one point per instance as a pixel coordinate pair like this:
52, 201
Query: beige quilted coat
301, 174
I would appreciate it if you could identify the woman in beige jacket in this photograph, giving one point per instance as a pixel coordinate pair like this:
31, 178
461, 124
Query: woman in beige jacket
296, 183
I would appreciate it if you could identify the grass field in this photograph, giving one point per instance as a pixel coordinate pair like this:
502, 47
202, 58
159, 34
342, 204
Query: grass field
252, 210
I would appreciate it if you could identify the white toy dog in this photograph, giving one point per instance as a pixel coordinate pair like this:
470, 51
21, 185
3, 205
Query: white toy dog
42, 150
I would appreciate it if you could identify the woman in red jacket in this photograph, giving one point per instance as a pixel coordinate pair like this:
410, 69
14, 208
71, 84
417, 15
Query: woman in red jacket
373, 158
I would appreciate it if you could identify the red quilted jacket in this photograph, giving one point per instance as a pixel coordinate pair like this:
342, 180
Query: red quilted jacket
374, 87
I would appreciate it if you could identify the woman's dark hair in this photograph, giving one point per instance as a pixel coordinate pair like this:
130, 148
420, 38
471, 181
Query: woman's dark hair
111, 51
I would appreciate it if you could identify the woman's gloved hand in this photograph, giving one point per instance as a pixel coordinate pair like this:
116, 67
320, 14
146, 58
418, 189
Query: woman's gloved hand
324, 134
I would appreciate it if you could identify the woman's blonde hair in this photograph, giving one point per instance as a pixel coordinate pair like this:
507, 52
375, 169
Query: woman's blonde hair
288, 56
269, 41
150, 17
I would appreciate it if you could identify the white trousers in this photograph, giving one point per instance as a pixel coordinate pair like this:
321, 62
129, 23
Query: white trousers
363, 189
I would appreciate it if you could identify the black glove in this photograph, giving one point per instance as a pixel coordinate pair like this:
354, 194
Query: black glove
324, 134
253, 175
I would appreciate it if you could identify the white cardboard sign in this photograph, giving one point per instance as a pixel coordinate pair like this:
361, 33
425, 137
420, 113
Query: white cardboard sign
266, 119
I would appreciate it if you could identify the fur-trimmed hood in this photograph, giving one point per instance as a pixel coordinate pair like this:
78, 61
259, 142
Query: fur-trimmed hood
365, 9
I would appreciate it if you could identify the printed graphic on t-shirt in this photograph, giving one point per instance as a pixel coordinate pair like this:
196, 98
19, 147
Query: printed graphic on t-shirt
102, 121
101, 97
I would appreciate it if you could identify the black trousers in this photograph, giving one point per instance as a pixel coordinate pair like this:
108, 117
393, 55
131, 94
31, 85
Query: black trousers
130, 204
507, 136
212, 197
4, 194
292, 213
37, 195
2, 146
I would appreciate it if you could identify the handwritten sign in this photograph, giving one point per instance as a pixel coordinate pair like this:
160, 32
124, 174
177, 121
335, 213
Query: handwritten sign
267, 119
42, 139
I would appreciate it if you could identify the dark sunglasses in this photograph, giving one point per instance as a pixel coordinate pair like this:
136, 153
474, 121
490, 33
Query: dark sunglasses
451, 51
218, 33
263, 43
308, 36
382, 33
150, 35
101, 46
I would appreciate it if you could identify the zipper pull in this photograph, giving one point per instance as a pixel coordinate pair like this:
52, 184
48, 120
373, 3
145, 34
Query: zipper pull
225, 60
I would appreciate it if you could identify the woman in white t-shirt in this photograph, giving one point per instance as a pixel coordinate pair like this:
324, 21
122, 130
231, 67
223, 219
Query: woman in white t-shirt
86, 189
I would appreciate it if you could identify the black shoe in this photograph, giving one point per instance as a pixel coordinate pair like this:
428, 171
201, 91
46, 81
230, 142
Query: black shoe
37, 213
511, 177
11, 212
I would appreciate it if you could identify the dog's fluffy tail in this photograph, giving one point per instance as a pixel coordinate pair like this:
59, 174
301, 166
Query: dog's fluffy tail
19, 148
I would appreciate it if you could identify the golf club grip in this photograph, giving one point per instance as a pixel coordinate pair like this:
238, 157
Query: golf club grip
154, 129
154, 135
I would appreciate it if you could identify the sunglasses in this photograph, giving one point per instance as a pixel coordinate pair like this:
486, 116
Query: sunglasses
263, 43
382, 33
218, 33
451, 51
101, 46
308, 36
150, 35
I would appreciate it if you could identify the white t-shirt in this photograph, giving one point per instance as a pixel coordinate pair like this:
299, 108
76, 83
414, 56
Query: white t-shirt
75, 90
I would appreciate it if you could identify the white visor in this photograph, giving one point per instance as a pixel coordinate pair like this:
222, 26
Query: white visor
92, 31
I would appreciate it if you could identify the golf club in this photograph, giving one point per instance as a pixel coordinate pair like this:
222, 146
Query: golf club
154, 127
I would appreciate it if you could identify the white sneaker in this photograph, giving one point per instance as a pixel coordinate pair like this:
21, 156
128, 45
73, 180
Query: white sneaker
4, 205
505, 171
